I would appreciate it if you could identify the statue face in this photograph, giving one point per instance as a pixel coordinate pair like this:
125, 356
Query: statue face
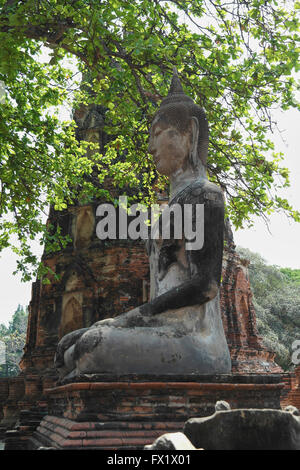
170, 147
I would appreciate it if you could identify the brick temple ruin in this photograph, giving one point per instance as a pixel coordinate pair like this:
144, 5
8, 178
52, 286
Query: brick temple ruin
101, 279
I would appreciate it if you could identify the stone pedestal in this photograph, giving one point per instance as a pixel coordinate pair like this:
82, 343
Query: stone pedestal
102, 412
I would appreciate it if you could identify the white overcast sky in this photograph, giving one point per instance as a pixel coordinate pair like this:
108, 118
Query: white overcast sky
281, 245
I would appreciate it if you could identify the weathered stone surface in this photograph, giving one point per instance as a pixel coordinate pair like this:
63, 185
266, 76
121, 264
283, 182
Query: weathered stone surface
171, 441
245, 429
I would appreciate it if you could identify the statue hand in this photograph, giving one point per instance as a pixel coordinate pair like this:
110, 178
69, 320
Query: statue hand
122, 320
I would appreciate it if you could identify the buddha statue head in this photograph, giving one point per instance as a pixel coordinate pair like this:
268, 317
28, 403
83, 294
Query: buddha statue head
179, 133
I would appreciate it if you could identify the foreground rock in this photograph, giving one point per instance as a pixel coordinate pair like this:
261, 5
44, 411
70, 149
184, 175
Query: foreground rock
246, 429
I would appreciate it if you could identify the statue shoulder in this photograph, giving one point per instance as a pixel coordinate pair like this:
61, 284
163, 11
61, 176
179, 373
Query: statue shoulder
199, 192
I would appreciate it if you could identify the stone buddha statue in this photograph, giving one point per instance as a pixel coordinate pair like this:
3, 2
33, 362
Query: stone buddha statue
179, 331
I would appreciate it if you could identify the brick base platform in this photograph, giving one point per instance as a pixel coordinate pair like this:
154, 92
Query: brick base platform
130, 413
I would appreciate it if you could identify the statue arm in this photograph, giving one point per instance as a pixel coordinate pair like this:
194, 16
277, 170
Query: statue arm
193, 292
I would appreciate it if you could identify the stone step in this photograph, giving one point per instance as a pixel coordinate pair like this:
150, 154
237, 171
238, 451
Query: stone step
65, 434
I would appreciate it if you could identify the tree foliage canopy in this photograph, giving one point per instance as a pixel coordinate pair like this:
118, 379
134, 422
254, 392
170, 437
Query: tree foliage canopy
235, 58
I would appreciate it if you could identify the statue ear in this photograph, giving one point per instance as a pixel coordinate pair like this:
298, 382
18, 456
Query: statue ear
195, 136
